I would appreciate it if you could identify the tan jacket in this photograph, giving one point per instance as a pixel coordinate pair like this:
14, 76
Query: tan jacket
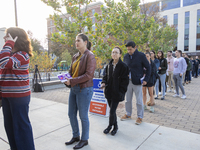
86, 69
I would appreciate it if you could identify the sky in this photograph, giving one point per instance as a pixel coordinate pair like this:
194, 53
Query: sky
32, 15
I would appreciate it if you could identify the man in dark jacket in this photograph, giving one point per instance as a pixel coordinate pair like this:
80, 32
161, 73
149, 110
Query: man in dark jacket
136, 61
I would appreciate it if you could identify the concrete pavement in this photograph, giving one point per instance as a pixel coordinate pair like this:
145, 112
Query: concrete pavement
51, 129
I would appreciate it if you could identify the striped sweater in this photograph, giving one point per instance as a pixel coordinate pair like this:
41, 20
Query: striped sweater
14, 74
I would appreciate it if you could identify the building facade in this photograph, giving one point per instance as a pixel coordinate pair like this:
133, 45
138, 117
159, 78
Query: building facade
2, 34
185, 16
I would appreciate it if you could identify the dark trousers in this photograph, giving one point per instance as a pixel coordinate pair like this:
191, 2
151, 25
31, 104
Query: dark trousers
187, 76
196, 72
113, 117
16, 122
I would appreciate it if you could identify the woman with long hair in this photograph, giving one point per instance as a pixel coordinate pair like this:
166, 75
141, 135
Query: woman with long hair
15, 89
150, 84
115, 82
162, 73
82, 71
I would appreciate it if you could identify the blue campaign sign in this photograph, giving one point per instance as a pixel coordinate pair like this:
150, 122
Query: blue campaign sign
97, 85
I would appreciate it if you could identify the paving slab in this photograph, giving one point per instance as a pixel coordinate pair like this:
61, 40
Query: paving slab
171, 139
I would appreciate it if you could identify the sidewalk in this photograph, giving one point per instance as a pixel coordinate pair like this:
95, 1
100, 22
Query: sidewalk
51, 129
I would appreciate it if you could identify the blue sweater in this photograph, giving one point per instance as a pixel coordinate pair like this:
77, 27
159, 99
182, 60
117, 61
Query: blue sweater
136, 66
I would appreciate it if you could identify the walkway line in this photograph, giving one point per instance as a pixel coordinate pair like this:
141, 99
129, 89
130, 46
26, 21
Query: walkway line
4, 140
147, 138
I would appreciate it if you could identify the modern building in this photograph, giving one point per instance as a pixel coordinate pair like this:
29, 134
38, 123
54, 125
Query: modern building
2, 34
185, 16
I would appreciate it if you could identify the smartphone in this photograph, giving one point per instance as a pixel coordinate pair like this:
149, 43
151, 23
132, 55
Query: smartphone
102, 87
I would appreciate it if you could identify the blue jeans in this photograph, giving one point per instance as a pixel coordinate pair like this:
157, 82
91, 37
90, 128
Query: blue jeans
16, 122
162, 80
79, 100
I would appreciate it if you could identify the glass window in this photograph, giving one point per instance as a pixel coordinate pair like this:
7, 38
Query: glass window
170, 4
93, 20
186, 34
51, 22
165, 22
190, 2
93, 12
176, 24
86, 29
93, 27
70, 19
198, 30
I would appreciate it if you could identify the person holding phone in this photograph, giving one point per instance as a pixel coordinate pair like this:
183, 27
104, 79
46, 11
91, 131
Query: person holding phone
115, 82
15, 89
180, 67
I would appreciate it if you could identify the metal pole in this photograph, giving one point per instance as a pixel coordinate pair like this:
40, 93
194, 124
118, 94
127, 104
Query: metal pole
16, 23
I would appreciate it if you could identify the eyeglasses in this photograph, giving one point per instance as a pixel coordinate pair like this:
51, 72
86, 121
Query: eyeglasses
114, 53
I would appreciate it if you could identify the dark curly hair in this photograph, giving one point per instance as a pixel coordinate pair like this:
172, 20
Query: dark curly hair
23, 42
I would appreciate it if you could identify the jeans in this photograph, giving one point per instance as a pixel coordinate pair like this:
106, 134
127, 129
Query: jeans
139, 99
113, 117
162, 79
79, 100
178, 83
16, 122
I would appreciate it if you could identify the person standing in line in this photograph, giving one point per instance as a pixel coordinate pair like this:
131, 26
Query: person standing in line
180, 66
135, 61
82, 71
15, 89
197, 58
187, 74
196, 67
150, 84
193, 64
170, 62
115, 82
162, 73
190, 74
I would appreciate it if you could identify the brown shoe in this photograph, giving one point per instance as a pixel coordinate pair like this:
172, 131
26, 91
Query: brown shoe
125, 117
148, 103
138, 121
187, 82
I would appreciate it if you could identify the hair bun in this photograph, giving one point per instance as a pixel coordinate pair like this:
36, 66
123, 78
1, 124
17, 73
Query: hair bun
89, 45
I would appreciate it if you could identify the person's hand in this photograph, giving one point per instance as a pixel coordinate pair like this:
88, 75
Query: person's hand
144, 83
10, 38
180, 74
68, 81
102, 85
159, 68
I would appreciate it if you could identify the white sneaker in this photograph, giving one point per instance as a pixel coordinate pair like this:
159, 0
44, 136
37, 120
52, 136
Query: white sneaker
169, 91
183, 97
175, 91
176, 95
145, 107
159, 93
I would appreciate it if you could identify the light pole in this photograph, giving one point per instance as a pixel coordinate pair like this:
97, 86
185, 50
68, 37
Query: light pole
16, 23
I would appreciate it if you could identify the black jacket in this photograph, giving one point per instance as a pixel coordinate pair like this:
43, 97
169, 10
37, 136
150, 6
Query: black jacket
136, 65
163, 66
116, 82
152, 79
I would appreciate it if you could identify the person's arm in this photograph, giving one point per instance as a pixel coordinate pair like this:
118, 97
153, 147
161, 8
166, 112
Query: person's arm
184, 66
17, 60
104, 79
124, 80
90, 68
146, 64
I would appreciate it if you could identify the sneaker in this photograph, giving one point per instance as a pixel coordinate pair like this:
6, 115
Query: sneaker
138, 121
169, 91
176, 95
183, 97
175, 91
156, 97
186, 82
151, 109
125, 117
159, 93
145, 107
162, 98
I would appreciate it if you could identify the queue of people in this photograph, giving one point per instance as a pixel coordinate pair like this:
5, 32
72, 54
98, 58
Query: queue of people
136, 73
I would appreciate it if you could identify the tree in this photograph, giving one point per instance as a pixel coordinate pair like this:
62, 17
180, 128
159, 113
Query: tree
35, 43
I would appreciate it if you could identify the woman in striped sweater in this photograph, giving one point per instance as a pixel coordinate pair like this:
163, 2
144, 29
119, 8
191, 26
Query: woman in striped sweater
15, 89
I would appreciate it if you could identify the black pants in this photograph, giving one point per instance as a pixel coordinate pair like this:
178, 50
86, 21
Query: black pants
113, 117
187, 76
197, 72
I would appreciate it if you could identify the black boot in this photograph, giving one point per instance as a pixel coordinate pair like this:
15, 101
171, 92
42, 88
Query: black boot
107, 130
81, 144
114, 131
73, 140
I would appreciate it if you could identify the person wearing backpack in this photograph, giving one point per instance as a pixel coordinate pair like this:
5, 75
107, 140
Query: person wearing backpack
187, 74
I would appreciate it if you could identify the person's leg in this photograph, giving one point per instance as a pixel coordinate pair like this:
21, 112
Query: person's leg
113, 116
144, 92
156, 87
72, 111
183, 77
179, 81
162, 79
190, 78
129, 96
169, 80
150, 89
175, 77
21, 124
83, 101
8, 123
139, 100
159, 85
